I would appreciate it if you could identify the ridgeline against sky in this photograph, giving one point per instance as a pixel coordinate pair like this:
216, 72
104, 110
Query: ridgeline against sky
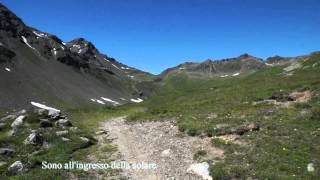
153, 35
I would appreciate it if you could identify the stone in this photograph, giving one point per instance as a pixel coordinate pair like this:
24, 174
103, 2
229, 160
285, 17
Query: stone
310, 167
65, 139
23, 111
6, 151
34, 138
45, 123
166, 153
16, 167
74, 129
62, 133
63, 123
84, 139
102, 131
18, 121
200, 169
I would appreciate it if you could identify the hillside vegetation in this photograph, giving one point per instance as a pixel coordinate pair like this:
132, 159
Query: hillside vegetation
287, 137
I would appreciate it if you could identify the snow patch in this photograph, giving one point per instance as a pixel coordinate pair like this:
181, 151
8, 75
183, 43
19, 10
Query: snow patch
235, 74
26, 42
224, 76
115, 66
39, 34
130, 76
7, 69
201, 169
106, 59
138, 100
110, 100
97, 101
123, 99
64, 43
1, 44
126, 68
42, 106
54, 51
100, 102
182, 68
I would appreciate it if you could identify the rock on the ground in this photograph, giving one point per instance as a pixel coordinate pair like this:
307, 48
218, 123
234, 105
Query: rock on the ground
74, 129
16, 167
34, 138
6, 151
63, 123
310, 167
18, 121
62, 133
165, 153
65, 139
200, 169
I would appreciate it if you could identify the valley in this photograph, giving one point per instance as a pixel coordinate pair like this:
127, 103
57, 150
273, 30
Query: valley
237, 118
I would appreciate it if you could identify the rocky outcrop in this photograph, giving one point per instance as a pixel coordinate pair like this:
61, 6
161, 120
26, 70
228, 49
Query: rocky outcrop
35, 138
15, 168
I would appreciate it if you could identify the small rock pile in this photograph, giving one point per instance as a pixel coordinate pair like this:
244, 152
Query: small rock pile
48, 121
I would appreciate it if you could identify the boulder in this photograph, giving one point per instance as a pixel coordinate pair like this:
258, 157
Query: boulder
87, 142
6, 151
18, 121
200, 169
45, 123
35, 138
63, 123
16, 167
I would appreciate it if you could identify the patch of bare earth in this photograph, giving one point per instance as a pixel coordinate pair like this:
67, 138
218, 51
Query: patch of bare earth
160, 143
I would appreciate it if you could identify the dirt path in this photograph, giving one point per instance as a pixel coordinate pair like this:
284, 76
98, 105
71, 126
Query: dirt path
159, 143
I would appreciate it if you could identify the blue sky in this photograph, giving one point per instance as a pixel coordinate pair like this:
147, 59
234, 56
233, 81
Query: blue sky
156, 34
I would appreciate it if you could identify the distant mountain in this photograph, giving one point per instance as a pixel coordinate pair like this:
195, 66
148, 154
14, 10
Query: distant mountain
38, 66
242, 64
225, 67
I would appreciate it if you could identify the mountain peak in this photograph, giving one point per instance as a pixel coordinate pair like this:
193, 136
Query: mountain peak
10, 23
245, 55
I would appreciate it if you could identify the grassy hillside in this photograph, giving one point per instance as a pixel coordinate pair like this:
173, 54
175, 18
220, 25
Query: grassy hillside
289, 137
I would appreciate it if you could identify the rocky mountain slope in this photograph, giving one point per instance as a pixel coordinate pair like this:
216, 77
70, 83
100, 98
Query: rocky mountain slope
38, 66
242, 64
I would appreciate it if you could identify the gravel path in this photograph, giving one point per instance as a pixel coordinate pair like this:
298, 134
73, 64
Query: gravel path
160, 143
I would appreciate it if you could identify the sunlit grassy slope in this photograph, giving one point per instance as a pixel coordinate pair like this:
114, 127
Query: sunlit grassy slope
289, 138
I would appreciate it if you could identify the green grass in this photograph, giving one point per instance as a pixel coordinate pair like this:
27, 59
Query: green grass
288, 139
